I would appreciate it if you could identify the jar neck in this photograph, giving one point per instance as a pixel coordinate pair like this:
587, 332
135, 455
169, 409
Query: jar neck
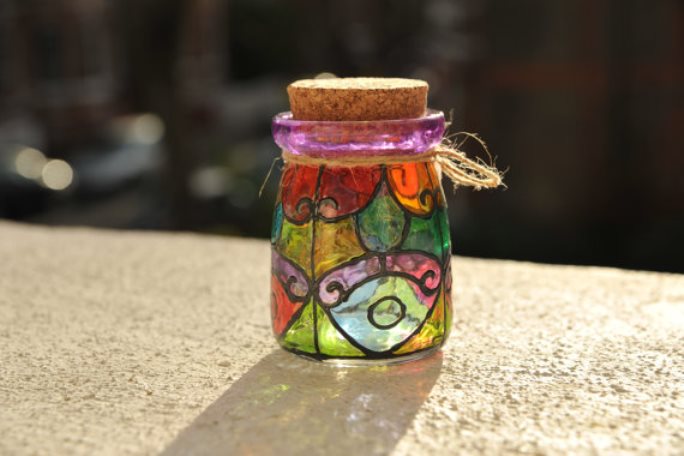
345, 139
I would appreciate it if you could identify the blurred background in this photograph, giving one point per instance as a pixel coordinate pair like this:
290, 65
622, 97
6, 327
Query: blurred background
155, 114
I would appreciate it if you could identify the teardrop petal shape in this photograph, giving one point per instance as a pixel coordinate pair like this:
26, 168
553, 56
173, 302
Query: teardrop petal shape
346, 190
298, 191
381, 223
414, 185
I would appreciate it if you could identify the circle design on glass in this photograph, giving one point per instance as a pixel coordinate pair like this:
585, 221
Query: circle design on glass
379, 301
380, 310
352, 314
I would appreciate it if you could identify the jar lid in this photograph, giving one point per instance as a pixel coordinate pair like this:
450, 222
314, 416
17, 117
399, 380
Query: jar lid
345, 99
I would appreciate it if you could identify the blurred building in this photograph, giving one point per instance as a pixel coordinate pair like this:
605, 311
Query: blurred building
162, 108
583, 101
58, 66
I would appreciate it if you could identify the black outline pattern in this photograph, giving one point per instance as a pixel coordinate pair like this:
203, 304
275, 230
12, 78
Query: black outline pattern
376, 304
428, 197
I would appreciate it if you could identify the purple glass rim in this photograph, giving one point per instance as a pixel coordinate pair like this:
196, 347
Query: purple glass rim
371, 138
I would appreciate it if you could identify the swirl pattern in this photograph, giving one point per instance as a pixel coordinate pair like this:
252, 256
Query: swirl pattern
360, 261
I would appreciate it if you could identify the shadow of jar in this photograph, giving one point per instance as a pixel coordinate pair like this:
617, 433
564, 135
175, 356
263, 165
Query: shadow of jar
287, 405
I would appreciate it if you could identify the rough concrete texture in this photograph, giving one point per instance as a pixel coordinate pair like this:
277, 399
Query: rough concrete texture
123, 342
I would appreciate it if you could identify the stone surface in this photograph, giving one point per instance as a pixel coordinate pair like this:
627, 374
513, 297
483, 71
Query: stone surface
137, 343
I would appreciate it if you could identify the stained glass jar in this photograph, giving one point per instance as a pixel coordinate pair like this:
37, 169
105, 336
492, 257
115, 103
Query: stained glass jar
360, 253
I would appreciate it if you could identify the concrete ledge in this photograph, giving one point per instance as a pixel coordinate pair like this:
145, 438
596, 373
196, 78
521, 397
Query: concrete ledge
138, 343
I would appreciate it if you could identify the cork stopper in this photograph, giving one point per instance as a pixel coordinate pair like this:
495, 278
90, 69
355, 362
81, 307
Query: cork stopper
357, 99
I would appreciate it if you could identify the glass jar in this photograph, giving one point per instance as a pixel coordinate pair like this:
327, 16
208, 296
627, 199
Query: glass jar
360, 240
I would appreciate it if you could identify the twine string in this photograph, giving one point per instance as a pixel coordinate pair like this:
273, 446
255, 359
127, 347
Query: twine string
268, 174
462, 170
451, 161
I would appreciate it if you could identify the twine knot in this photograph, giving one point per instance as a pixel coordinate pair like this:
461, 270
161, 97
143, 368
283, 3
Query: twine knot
462, 170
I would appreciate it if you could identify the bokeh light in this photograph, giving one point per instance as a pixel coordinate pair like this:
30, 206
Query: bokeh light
30, 162
57, 175
147, 129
